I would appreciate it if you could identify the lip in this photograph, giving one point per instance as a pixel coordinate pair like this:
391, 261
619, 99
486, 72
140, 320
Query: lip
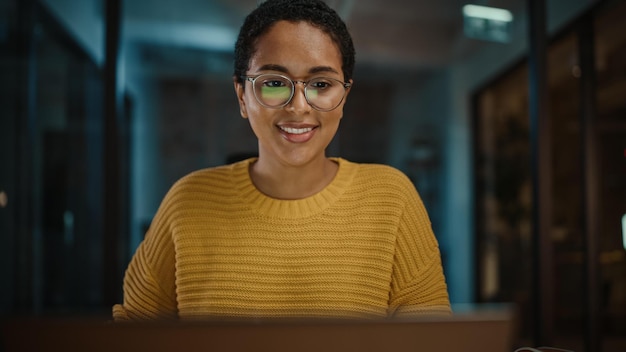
297, 133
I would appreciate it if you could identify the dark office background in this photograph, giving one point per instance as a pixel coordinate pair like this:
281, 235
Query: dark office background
516, 144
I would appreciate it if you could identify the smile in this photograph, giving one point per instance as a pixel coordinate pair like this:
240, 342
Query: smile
292, 130
298, 134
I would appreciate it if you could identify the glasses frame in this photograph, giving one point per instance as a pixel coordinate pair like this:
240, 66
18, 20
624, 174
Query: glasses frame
305, 84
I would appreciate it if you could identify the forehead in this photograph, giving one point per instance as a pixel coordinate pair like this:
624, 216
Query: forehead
297, 46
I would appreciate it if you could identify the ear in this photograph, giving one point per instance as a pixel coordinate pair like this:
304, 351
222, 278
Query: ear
349, 89
239, 90
346, 97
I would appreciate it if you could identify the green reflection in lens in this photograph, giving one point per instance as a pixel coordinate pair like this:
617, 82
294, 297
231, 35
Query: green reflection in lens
312, 93
275, 93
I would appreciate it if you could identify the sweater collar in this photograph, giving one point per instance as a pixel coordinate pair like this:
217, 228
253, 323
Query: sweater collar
290, 209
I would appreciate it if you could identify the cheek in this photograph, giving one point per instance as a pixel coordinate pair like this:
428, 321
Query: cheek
260, 120
256, 129
331, 126
256, 117
337, 116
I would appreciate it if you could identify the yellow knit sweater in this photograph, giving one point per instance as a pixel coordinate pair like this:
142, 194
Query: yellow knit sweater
218, 248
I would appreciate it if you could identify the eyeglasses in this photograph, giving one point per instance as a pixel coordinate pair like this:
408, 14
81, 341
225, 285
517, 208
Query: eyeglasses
275, 91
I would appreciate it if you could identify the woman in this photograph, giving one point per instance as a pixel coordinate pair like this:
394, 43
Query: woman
292, 233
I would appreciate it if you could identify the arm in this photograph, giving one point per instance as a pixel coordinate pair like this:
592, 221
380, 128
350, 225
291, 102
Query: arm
149, 283
418, 283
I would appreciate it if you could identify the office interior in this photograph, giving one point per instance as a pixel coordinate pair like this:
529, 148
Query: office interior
516, 144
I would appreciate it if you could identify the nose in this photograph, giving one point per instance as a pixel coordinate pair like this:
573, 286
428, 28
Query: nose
298, 103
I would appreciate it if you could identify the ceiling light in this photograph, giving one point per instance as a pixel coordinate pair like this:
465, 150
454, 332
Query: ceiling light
487, 23
488, 13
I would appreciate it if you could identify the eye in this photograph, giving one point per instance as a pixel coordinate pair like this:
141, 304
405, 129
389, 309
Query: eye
321, 83
274, 83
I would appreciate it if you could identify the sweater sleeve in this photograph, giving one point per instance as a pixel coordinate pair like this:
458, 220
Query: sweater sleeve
418, 284
149, 282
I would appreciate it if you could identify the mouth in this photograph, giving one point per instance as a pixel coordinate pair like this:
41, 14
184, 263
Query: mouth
292, 130
297, 134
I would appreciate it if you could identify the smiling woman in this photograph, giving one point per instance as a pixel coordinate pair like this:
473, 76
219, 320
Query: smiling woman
291, 233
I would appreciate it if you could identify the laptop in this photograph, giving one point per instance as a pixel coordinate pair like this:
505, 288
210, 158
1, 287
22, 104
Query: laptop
468, 331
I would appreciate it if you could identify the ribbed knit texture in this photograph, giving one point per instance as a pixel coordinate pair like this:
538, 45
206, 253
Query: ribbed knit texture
218, 248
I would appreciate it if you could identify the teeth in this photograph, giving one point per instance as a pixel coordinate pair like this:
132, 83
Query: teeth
296, 130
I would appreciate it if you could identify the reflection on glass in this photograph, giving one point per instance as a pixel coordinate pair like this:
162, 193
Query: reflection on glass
624, 230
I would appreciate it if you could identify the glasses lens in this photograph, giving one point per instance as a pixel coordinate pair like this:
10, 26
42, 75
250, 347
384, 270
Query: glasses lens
325, 93
276, 91
273, 90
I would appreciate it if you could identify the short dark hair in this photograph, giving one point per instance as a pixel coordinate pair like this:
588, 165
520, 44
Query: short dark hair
314, 12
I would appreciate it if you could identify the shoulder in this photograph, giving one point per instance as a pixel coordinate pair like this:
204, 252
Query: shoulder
378, 173
211, 180
203, 175
381, 170
380, 178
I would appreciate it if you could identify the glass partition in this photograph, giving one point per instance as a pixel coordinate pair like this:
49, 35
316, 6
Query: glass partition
503, 188
610, 63
52, 174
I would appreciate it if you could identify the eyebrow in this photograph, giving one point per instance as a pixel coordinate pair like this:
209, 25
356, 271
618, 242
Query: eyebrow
279, 68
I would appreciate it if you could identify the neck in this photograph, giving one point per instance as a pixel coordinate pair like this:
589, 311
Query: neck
292, 182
